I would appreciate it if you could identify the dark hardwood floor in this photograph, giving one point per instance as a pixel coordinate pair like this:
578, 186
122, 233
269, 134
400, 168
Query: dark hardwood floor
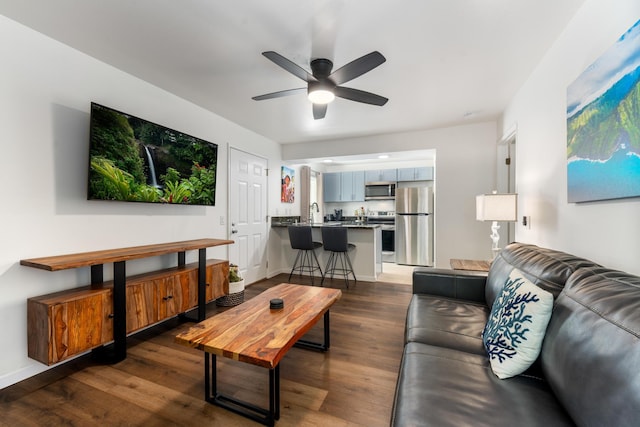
161, 383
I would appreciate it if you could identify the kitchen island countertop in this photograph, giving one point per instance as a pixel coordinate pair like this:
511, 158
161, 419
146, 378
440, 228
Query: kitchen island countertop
326, 224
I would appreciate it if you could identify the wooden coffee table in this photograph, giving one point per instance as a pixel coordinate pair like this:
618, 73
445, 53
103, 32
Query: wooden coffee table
253, 333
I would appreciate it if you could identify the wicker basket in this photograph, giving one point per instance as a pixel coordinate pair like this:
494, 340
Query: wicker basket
231, 299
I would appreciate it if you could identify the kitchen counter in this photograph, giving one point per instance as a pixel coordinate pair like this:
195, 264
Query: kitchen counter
285, 221
366, 257
326, 224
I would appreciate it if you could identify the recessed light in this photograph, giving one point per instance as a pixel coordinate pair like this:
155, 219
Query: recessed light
383, 156
327, 161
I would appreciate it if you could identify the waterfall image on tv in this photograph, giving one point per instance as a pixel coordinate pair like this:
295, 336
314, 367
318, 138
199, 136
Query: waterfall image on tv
134, 160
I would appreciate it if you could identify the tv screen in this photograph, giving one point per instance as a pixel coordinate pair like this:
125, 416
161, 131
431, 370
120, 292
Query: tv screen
134, 160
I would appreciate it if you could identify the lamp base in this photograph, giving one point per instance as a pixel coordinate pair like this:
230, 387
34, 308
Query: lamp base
495, 238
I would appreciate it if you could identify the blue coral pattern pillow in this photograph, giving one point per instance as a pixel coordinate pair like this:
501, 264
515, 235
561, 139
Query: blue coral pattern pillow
515, 330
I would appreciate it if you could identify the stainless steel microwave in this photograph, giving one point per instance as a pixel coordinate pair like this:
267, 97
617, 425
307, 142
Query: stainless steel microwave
380, 190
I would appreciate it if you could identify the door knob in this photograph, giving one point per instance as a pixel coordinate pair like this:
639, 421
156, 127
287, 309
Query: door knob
234, 231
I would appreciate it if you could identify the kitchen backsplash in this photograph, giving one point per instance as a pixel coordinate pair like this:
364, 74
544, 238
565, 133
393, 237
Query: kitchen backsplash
348, 208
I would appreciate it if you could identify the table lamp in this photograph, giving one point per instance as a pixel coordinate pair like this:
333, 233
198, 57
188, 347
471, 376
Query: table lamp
496, 207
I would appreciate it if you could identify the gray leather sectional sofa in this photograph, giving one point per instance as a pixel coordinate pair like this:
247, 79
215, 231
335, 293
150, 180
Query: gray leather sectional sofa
588, 371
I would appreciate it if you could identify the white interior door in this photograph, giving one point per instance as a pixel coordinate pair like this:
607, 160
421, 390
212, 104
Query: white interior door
248, 214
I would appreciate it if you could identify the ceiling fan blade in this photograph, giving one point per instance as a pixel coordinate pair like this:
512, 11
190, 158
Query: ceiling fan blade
289, 66
319, 111
357, 67
279, 94
359, 96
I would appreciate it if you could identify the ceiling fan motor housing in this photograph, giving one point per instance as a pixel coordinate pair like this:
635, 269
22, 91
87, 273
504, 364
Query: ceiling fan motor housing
321, 68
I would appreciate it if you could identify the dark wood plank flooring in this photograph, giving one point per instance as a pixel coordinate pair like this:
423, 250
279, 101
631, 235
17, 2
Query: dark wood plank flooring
162, 383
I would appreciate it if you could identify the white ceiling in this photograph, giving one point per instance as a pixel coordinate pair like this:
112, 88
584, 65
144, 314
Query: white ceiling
448, 61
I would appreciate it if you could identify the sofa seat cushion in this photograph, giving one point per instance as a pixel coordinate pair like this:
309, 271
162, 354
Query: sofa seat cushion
443, 387
446, 322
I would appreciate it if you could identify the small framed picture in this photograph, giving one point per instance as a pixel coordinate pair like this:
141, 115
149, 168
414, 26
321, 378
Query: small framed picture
287, 193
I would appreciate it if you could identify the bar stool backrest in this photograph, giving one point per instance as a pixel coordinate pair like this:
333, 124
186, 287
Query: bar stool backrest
300, 237
335, 239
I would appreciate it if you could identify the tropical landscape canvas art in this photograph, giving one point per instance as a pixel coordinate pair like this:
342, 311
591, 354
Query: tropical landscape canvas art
603, 125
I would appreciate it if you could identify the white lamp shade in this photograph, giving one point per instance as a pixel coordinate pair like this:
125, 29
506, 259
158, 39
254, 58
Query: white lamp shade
496, 207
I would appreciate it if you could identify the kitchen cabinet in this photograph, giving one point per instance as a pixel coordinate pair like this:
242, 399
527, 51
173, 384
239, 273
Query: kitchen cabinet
343, 186
381, 175
331, 187
352, 186
415, 174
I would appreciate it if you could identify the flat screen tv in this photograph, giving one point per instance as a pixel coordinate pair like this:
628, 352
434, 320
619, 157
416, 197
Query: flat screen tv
134, 160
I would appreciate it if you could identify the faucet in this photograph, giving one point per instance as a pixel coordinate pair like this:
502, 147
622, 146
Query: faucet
311, 211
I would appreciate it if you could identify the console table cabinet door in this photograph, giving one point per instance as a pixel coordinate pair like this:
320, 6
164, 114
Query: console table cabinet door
85, 321
175, 295
185, 291
67, 328
217, 280
141, 309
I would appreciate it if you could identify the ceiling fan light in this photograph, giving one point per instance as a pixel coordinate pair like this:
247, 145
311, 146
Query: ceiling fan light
321, 96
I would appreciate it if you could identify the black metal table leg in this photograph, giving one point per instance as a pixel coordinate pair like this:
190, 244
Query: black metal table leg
276, 392
240, 407
324, 346
119, 311
202, 284
97, 274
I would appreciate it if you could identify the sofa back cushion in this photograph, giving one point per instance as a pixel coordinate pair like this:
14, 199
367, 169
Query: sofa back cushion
546, 268
591, 351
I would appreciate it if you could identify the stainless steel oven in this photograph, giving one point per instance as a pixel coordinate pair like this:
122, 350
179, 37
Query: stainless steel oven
388, 228
388, 243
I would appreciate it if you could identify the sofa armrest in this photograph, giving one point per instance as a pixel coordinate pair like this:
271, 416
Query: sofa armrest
460, 284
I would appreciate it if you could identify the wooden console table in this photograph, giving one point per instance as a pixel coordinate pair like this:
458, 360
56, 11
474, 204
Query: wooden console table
41, 347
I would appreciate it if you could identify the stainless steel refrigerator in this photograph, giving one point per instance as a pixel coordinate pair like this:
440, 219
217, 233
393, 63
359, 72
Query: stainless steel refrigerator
414, 226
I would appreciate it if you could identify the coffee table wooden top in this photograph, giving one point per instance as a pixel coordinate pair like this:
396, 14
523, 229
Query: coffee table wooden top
253, 333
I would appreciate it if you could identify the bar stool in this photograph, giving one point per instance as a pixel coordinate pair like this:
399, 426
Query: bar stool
334, 239
301, 239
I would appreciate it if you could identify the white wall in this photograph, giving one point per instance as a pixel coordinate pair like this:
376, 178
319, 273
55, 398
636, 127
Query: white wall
46, 92
606, 232
465, 166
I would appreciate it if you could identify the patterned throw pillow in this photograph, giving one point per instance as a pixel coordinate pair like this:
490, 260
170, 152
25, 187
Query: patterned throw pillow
514, 332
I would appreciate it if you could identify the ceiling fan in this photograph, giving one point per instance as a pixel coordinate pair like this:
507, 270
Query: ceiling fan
323, 85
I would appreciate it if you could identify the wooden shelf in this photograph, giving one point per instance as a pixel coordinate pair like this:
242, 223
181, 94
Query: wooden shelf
87, 259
